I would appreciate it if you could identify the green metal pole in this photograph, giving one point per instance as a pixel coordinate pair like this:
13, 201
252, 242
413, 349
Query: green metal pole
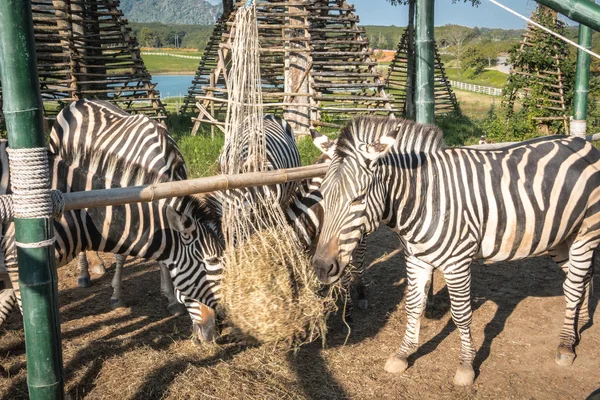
583, 11
424, 93
410, 79
23, 112
582, 82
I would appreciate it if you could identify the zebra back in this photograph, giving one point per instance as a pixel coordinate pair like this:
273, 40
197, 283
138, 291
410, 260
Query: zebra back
96, 129
281, 152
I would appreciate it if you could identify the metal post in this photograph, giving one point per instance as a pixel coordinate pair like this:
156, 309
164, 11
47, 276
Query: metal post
424, 92
583, 11
582, 83
23, 111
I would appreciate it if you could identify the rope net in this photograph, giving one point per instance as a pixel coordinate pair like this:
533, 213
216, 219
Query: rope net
269, 291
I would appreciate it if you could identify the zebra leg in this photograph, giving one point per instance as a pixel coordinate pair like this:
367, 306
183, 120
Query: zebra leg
96, 263
419, 279
166, 288
359, 260
84, 274
116, 300
459, 289
7, 303
575, 287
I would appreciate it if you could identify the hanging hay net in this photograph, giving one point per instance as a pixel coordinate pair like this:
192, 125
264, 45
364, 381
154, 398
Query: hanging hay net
269, 291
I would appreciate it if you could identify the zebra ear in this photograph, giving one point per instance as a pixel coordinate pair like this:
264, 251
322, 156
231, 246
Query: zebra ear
322, 142
180, 222
381, 147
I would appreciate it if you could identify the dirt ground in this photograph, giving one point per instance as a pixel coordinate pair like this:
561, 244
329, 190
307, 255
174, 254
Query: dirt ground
142, 353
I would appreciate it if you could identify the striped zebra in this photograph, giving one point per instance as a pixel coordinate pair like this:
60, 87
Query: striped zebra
305, 215
281, 152
451, 205
98, 126
182, 233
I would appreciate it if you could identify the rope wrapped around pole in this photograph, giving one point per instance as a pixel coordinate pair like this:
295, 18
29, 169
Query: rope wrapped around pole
30, 182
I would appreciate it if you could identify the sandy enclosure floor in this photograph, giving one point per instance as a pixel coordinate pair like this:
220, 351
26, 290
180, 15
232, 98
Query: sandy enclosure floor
141, 352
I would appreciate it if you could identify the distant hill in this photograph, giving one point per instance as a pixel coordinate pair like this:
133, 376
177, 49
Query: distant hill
193, 12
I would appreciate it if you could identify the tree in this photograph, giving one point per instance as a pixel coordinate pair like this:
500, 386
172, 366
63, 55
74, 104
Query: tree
457, 37
490, 51
145, 37
532, 86
474, 60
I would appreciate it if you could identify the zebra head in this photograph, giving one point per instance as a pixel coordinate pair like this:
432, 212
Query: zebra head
353, 197
196, 259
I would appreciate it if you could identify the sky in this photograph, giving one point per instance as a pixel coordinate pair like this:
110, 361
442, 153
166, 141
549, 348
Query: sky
380, 12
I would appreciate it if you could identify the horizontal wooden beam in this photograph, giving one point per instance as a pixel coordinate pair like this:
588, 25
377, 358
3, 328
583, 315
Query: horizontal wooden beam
148, 193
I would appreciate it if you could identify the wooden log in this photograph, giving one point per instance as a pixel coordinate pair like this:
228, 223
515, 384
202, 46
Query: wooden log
158, 191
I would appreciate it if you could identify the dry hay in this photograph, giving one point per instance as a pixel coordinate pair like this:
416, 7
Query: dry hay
271, 293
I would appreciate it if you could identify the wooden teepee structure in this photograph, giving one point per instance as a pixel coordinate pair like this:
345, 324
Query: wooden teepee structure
315, 66
537, 76
401, 73
86, 50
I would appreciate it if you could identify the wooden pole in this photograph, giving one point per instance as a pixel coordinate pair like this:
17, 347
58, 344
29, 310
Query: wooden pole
297, 68
147, 193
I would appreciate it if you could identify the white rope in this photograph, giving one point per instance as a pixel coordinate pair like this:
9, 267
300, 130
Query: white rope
30, 182
545, 29
36, 245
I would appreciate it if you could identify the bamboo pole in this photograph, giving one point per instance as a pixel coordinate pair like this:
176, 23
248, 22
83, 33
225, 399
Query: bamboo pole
24, 114
583, 11
582, 82
425, 87
147, 193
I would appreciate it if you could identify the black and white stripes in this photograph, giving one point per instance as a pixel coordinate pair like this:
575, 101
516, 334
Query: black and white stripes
451, 205
182, 233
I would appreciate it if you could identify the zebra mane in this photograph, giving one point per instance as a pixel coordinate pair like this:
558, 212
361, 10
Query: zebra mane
410, 136
206, 208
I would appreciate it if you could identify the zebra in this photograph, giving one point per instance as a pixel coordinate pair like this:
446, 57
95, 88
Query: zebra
451, 205
183, 233
281, 151
99, 126
305, 214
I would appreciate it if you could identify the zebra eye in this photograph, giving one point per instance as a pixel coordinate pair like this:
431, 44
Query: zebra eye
212, 260
359, 200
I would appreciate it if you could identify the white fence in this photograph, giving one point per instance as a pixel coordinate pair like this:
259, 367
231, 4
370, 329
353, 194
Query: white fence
491, 91
171, 55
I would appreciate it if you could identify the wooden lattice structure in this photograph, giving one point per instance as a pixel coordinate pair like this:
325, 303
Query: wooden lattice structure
548, 82
315, 66
397, 81
86, 50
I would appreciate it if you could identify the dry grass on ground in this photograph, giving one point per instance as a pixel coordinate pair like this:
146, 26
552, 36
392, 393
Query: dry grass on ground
142, 353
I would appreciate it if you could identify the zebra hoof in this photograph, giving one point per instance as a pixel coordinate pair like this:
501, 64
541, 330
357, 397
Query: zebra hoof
177, 309
396, 364
84, 282
464, 376
363, 304
564, 356
99, 269
117, 303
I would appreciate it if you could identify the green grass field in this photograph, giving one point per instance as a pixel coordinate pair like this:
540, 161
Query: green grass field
166, 64
487, 78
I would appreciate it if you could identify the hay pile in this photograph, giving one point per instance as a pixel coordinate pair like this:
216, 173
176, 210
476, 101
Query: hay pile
271, 294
